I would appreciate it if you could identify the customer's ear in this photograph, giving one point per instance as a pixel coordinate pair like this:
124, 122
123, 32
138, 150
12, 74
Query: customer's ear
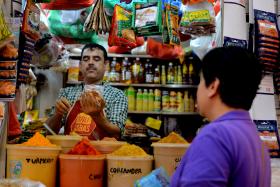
213, 88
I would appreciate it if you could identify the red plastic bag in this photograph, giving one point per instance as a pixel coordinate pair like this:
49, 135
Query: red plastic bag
14, 125
67, 4
164, 51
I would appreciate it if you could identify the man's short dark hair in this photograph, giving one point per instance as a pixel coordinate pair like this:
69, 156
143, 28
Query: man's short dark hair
239, 73
94, 46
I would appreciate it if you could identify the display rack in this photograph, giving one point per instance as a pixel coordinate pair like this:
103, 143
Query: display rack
164, 113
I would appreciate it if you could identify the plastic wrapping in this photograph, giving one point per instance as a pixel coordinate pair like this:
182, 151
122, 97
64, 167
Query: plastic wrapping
20, 183
157, 178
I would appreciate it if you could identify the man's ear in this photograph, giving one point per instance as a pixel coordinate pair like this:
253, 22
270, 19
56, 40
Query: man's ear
213, 88
106, 62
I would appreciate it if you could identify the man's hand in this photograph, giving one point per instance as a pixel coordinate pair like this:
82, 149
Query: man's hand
92, 103
62, 106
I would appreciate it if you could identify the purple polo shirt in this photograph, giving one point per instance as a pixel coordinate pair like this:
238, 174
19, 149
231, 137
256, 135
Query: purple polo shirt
227, 152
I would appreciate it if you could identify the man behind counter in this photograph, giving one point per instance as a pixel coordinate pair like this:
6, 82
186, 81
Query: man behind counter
74, 103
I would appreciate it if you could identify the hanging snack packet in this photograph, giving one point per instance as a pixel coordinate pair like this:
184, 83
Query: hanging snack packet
7, 88
172, 20
147, 18
266, 24
198, 19
31, 21
121, 33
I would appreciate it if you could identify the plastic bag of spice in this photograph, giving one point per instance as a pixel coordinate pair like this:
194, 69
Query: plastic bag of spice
172, 20
158, 178
121, 33
31, 20
5, 33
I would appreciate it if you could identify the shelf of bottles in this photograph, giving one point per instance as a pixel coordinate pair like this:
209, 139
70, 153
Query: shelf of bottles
154, 87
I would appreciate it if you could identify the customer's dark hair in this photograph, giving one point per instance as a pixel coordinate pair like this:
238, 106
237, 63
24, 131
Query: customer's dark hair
239, 73
94, 46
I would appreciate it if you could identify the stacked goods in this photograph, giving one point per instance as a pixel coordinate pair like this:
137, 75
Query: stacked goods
38, 140
83, 164
169, 151
173, 138
267, 40
83, 148
8, 57
35, 159
130, 150
127, 164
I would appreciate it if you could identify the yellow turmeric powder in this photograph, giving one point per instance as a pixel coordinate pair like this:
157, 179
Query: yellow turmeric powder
173, 138
38, 140
130, 150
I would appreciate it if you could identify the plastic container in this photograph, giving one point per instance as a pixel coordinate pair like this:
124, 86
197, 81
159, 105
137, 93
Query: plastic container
124, 171
35, 163
169, 155
81, 170
65, 142
107, 147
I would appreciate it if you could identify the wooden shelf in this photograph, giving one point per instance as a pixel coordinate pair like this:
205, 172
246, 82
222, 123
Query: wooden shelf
164, 113
178, 86
174, 86
112, 55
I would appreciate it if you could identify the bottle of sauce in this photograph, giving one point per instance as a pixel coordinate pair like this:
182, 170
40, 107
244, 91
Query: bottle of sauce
173, 101
149, 77
179, 75
124, 70
157, 101
165, 101
157, 76
191, 74
176, 75
141, 73
192, 104
185, 73
113, 73
163, 75
151, 100
145, 100
180, 102
131, 98
139, 100
170, 74
186, 102
118, 70
128, 73
135, 71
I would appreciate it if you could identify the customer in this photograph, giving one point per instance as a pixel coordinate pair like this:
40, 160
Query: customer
92, 66
228, 151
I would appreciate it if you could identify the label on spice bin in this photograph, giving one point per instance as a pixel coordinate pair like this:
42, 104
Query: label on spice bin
268, 133
177, 161
132, 171
39, 160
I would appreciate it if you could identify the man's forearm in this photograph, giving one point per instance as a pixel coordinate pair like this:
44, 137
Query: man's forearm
54, 122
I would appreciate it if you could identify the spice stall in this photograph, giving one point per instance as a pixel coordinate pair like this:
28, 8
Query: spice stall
154, 50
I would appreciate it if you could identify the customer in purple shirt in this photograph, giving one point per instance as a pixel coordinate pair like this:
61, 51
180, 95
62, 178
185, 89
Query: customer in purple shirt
228, 151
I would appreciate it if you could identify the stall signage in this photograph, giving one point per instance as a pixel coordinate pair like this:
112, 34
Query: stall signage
199, 15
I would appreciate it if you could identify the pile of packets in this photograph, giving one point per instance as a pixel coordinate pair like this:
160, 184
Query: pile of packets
267, 40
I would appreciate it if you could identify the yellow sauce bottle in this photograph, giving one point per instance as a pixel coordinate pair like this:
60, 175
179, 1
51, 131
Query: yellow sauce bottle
151, 100
145, 100
157, 102
131, 98
139, 100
